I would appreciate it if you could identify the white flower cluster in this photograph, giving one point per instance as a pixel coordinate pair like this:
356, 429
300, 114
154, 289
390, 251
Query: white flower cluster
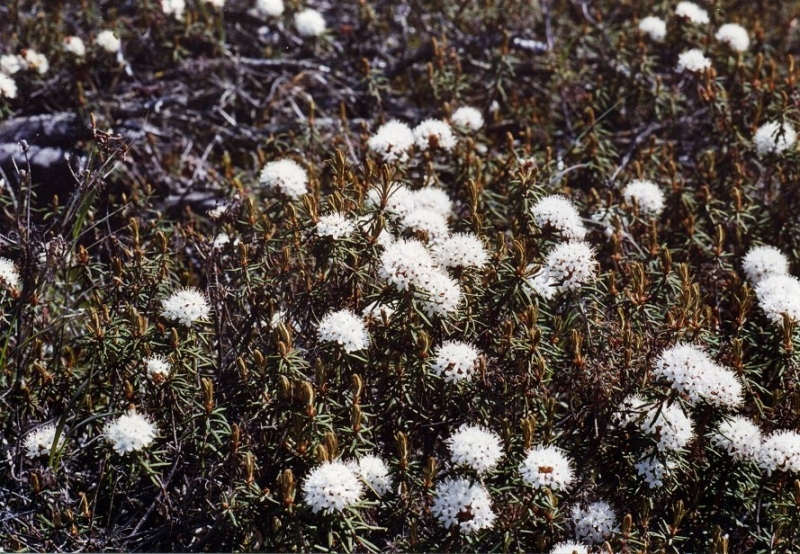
129, 432
559, 213
547, 466
9, 275
455, 361
399, 199
569, 548
693, 60
158, 368
647, 195
334, 225
692, 12
774, 137
40, 441
8, 86
332, 487
270, 8
174, 8
654, 27
108, 41
344, 328
781, 452
739, 437
285, 176
765, 261
571, 265
186, 306
778, 295
653, 470
75, 46
36, 61
392, 141
309, 23
460, 250
467, 118
735, 36
670, 425
595, 523
434, 199
428, 221
434, 133
693, 373
475, 447
374, 472
457, 502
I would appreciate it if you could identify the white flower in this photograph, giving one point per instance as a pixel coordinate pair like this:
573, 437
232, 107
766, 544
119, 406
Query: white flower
108, 41
344, 328
541, 283
221, 240
399, 199
36, 61
331, 487
559, 213
475, 447
75, 46
571, 265
670, 425
309, 23
692, 372
647, 195
693, 60
158, 368
270, 8
764, 261
460, 503
653, 26
692, 12
653, 470
569, 548
455, 361
460, 250
334, 225
40, 441
773, 137
739, 437
174, 8
10, 64
547, 466
778, 295
467, 118
374, 472
428, 221
129, 432
392, 141
438, 293
9, 274
780, 451
286, 176
218, 211
186, 306
8, 87
734, 36
404, 263
434, 133
631, 409
433, 199
377, 311
595, 523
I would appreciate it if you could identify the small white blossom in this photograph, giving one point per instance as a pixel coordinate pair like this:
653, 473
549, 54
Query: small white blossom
571, 265
653, 26
334, 225
399, 200
129, 432
467, 118
40, 441
75, 46
764, 261
475, 447
309, 23
739, 437
693, 60
457, 502
540, 283
377, 311
331, 487
434, 133
569, 548
434, 199
186, 306
9, 275
270, 8
374, 472
647, 195
455, 361
735, 36
631, 410
108, 41
10, 64
670, 425
595, 523
780, 452
221, 240
438, 293
778, 295
344, 328
653, 470
773, 138
36, 61
286, 176
460, 250
8, 86
158, 368
547, 466
559, 213
692, 12
392, 141
428, 221
174, 8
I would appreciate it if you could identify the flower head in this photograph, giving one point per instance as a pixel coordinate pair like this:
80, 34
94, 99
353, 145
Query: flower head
690, 371
40, 441
392, 141
399, 200
653, 26
547, 466
455, 361
344, 328
9, 275
569, 548
780, 451
158, 368
108, 41
36, 61
571, 265
75, 46
174, 8
765, 261
774, 137
405, 263
475, 447
186, 306
467, 118
332, 487
778, 295
595, 523
433, 199
434, 133
653, 470
692, 12
309, 23
10, 64
374, 472
428, 221
670, 425
739, 437
334, 225
438, 293
286, 176
693, 60
8, 86
129, 432
270, 8
558, 212
734, 36
460, 250
457, 502
647, 195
